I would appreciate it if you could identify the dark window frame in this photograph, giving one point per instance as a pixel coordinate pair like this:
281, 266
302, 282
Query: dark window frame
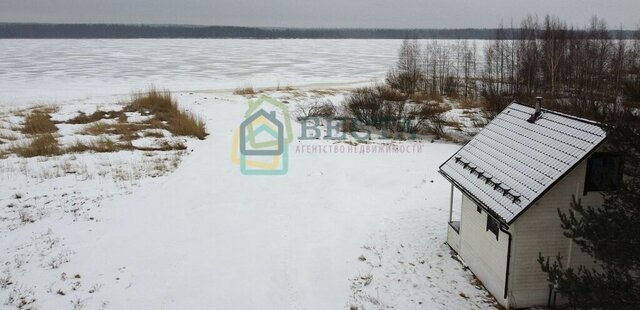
493, 225
479, 209
588, 183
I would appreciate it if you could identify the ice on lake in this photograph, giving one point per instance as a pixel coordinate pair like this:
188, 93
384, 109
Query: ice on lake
52, 69
42, 69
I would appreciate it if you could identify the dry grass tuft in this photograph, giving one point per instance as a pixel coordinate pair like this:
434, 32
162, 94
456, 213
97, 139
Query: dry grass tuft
322, 92
126, 131
165, 146
101, 145
167, 114
315, 109
111, 127
48, 109
43, 145
38, 122
244, 91
83, 118
153, 134
187, 124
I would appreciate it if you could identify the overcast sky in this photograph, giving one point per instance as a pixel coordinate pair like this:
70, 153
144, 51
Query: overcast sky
320, 13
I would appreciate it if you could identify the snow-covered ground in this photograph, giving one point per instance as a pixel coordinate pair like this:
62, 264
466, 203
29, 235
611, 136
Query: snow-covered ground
185, 229
340, 229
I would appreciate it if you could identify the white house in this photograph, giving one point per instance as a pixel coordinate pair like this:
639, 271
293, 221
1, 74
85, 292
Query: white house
514, 175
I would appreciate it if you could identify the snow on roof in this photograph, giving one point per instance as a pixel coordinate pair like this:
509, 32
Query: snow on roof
510, 163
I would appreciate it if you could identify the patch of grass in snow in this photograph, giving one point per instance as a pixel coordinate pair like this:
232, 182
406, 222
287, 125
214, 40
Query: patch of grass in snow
77, 303
162, 118
164, 113
323, 92
101, 145
125, 131
46, 108
38, 122
21, 298
5, 280
42, 145
26, 217
366, 279
83, 118
56, 261
244, 91
317, 108
153, 134
164, 146
167, 114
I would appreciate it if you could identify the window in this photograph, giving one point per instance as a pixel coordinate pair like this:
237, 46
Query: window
604, 172
478, 209
493, 225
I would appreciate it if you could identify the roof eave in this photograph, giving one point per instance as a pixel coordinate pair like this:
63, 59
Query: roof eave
473, 197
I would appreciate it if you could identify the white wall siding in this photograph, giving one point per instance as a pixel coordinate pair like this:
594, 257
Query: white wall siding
485, 256
538, 231
453, 238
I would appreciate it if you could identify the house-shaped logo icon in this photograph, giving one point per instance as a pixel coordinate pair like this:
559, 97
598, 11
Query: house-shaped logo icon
261, 142
258, 147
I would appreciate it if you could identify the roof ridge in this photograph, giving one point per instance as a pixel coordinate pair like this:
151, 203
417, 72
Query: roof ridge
548, 136
581, 119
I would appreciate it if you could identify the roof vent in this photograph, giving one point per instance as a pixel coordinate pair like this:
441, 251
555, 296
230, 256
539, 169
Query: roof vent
536, 115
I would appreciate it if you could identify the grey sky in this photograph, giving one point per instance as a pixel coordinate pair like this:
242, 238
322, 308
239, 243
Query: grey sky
327, 13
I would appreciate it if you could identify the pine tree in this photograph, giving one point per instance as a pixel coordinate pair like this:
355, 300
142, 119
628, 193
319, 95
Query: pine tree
610, 234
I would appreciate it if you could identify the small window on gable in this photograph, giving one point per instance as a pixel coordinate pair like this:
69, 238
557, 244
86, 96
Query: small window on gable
478, 209
493, 225
604, 172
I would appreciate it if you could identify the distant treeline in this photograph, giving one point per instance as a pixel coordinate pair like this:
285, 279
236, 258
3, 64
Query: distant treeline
114, 31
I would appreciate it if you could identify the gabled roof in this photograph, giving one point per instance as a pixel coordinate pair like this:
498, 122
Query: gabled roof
512, 162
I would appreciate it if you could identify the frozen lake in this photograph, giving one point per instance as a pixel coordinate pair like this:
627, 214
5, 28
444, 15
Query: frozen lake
54, 70
59, 69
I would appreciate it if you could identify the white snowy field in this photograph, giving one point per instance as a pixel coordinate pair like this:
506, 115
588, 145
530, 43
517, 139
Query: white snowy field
338, 230
185, 229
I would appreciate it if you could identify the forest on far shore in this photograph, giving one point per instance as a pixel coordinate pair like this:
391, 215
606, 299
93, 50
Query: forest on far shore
124, 31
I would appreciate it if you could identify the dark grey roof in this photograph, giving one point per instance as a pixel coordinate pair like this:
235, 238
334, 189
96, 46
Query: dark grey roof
510, 163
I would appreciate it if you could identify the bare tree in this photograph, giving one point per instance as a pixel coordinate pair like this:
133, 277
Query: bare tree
554, 41
527, 60
408, 72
